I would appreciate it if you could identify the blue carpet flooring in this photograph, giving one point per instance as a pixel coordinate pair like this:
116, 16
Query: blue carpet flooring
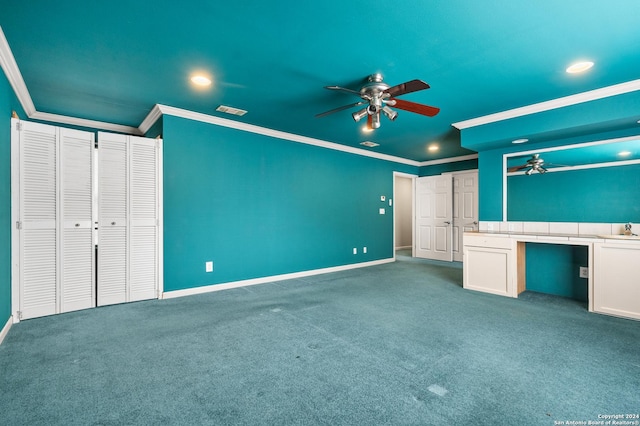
395, 344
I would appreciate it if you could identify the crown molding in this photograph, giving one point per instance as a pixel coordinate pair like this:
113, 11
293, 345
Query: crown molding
82, 122
224, 122
592, 95
449, 160
11, 70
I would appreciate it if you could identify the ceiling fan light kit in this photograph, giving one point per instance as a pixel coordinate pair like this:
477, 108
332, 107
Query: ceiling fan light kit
379, 97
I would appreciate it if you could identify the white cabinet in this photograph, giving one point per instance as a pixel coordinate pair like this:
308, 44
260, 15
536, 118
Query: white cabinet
489, 264
616, 285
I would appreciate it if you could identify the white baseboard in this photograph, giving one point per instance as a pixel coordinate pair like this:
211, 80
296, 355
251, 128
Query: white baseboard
5, 329
403, 247
263, 280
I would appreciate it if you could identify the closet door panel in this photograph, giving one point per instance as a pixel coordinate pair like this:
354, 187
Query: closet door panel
112, 219
38, 212
143, 197
77, 255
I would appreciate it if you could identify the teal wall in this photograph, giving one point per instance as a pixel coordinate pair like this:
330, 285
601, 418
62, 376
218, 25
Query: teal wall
8, 103
259, 206
555, 269
438, 169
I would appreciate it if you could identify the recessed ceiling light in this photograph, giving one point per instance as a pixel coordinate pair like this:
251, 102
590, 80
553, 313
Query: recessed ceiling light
200, 80
579, 67
624, 153
433, 148
523, 140
369, 144
231, 110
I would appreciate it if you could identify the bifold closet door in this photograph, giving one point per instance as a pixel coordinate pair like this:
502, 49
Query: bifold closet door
144, 204
37, 228
54, 260
77, 273
129, 219
113, 175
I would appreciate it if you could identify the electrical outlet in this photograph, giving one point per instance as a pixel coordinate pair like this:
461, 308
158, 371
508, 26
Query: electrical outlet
208, 266
584, 272
382, 211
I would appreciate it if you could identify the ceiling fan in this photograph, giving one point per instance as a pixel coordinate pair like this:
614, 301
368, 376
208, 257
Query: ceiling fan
379, 97
535, 164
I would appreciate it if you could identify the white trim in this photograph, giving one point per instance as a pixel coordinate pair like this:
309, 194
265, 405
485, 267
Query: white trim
224, 122
151, 118
5, 329
82, 122
592, 95
264, 280
14, 76
449, 160
413, 209
16, 273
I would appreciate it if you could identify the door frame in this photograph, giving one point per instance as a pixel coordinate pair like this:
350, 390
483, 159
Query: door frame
413, 210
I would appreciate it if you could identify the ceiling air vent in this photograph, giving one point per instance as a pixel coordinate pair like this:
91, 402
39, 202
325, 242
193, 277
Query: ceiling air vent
369, 144
231, 110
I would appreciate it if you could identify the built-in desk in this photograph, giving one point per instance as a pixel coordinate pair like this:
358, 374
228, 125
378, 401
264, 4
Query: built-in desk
495, 262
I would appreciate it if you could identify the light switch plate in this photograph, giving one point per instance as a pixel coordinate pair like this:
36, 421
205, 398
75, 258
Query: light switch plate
208, 266
382, 211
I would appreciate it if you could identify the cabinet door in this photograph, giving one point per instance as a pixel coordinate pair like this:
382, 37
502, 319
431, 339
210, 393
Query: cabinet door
112, 219
616, 288
488, 270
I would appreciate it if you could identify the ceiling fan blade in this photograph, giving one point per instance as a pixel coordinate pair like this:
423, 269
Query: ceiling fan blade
408, 87
517, 168
427, 110
322, 114
343, 89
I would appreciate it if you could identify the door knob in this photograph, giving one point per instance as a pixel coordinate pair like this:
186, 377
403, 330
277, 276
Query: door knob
77, 224
447, 222
113, 223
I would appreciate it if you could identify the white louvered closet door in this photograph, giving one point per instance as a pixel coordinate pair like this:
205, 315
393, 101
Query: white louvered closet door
129, 188
77, 244
38, 236
54, 262
143, 202
112, 219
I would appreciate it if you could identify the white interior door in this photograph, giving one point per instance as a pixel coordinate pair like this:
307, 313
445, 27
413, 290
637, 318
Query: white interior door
465, 209
433, 217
